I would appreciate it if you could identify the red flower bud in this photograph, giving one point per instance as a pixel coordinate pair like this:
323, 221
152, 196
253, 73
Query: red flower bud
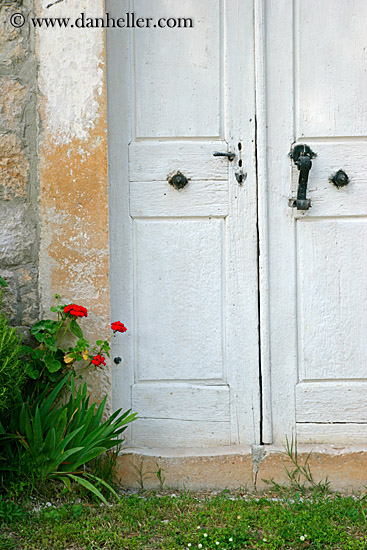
117, 326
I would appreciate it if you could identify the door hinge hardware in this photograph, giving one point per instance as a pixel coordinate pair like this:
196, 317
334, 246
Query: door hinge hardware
301, 155
230, 156
241, 176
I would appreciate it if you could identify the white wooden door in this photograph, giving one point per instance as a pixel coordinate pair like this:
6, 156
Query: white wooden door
184, 262
316, 94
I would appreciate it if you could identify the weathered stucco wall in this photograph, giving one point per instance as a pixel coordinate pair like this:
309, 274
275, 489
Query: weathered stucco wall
74, 248
53, 168
18, 167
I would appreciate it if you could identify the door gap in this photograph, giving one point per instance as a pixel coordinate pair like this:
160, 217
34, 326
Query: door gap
258, 286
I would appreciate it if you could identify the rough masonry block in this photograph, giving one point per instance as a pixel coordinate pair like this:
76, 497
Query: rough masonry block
12, 41
14, 167
12, 104
17, 235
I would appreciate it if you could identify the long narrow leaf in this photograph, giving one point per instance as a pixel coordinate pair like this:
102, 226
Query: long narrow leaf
64, 442
66, 482
99, 413
103, 483
37, 431
50, 441
85, 424
49, 401
88, 486
88, 455
67, 454
28, 432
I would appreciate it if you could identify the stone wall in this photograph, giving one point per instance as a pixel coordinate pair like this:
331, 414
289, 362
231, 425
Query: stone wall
19, 186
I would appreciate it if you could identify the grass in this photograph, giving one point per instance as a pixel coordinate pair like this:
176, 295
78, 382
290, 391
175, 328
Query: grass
286, 519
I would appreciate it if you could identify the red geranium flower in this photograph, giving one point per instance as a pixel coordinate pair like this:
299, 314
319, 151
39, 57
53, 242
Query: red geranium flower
76, 311
98, 360
117, 326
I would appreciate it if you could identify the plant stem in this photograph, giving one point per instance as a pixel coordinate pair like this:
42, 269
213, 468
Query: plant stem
66, 328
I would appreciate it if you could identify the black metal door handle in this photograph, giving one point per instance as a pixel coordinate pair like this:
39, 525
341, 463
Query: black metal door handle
229, 155
302, 155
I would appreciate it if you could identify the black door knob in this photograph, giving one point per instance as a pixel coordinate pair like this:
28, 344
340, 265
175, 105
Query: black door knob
178, 180
340, 179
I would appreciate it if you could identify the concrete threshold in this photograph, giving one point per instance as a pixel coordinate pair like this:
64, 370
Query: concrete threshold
240, 467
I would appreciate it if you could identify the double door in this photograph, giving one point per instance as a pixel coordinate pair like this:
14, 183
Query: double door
246, 315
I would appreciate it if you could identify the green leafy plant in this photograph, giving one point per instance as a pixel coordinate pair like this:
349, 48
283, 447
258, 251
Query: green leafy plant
300, 476
104, 467
53, 441
10, 511
62, 346
70, 511
141, 474
12, 369
160, 476
54, 433
301, 470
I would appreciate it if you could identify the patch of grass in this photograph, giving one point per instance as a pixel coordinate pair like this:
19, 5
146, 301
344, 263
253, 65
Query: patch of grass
195, 521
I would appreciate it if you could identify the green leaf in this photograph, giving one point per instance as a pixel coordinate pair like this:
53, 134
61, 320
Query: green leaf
48, 402
75, 328
88, 486
46, 325
3, 283
53, 365
66, 482
50, 441
31, 371
57, 309
89, 455
25, 350
37, 431
28, 427
63, 456
60, 448
103, 483
37, 354
50, 342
